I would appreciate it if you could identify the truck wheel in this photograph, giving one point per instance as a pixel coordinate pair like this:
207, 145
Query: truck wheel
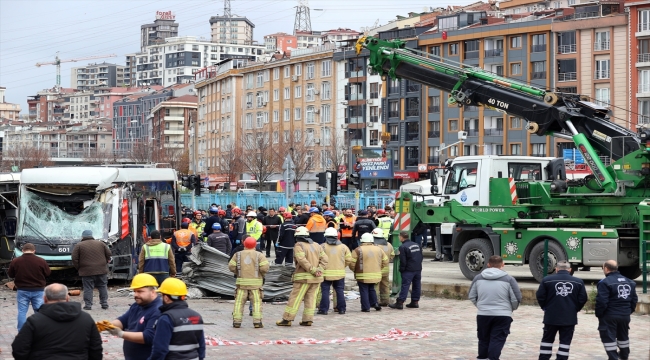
630, 272
474, 256
555, 254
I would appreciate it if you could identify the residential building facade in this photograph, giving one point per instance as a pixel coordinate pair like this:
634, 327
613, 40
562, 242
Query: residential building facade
281, 42
638, 65
8, 110
93, 76
171, 121
235, 30
163, 27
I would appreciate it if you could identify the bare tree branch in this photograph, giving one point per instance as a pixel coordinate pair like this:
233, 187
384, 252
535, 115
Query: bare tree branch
142, 153
303, 156
178, 159
231, 162
261, 159
99, 156
336, 153
26, 156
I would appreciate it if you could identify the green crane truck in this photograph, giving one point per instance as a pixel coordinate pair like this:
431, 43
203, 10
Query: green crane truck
510, 207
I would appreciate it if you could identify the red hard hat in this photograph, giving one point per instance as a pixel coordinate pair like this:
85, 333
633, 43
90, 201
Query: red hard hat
250, 243
221, 212
236, 211
282, 209
286, 215
186, 220
381, 212
197, 213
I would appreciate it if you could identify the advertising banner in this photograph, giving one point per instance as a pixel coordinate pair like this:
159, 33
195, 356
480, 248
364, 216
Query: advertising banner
375, 163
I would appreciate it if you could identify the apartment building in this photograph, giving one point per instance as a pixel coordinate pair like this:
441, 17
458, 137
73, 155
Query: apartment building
93, 76
339, 35
177, 59
236, 30
80, 106
163, 27
171, 121
8, 110
515, 46
281, 42
48, 105
638, 65
290, 100
308, 38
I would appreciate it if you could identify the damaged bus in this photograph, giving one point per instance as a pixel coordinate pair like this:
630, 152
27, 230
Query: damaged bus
9, 183
119, 205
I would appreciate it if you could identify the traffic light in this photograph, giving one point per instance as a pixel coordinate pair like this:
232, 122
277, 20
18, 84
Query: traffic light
334, 182
322, 179
186, 182
196, 183
354, 181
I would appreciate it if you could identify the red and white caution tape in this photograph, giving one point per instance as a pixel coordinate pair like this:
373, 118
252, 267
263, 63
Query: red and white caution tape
393, 334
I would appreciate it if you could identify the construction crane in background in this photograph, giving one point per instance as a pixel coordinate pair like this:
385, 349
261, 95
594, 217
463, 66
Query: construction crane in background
58, 62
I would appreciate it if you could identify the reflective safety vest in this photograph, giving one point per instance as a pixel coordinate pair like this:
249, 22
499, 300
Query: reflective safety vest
254, 229
156, 258
390, 252
187, 332
348, 221
385, 223
183, 237
200, 228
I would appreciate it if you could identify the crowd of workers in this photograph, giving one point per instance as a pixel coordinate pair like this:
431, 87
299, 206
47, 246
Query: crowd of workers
320, 243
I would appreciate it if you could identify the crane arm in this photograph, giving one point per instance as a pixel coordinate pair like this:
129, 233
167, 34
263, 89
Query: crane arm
548, 113
57, 61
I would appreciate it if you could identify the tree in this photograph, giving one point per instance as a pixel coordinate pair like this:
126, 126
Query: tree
99, 156
178, 159
26, 156
303, 156
231, 160
142, 153
336, 153
260, 158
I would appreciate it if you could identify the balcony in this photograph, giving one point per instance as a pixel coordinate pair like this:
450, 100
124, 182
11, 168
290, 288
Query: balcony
567, 76
413, 87
472, 132
356, 120
412, 112
433, 159
393, 114
566, 49
356, 142
539, 75
538, 48
413, 136
601, 45
643, 120
471, 108
643, 29
374, 142
643, 58
353, 97
644, 89
493, 132
353, 74
434, 109
585, 15
433, 134
601, 74
374, 95
394, 137
393, 90
493, 52
471, 55
412, 161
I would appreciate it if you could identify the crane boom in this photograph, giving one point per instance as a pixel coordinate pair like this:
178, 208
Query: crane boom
58, 62
548, 113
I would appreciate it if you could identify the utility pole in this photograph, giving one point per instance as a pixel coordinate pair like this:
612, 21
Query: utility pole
328, 176
289, 167
303, 19
196, 150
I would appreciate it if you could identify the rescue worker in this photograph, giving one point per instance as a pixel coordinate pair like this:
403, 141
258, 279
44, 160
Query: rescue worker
136, 326
310, 261
179, 330
367, 262
207, 227
286, 241
383, 287
316, 225
561, 297
219, 240
190, 228
238, 226
346, 225
223, 221
363, 225
330, 220
250, 267
384, 222
281, 211
157, 259
272, 224
254, 228
182, 241
338, 258
198, 224
615, 301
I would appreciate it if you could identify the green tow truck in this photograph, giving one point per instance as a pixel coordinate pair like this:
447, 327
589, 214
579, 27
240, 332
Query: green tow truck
510, 207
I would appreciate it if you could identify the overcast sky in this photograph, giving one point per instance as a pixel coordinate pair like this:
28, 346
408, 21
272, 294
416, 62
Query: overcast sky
33, 31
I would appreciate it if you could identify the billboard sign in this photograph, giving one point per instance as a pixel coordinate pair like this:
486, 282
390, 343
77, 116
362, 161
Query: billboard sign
165, 15
376, 163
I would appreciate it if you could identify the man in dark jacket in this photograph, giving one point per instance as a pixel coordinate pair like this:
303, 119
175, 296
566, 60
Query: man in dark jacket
615, 301
410, 268
91, 257
219, 240
272, 222
286, 241
361, 226
214, 218
561, 296
58, 331
29, 272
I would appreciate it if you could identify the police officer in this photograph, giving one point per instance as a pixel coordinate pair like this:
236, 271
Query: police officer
286, 241
182, 241
179, 330
254, 228
410, 268
362, 226
338, 258
367, 262
383, 287
250, 267
561, 296
384, 222
157, 258
615, 301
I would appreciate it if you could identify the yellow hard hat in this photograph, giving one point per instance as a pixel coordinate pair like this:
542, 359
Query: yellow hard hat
143, 280
173, 287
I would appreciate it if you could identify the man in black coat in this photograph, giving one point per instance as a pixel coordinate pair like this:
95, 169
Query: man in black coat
363, 225
59, 330
286, 241
410, 268
561, 296
272, 222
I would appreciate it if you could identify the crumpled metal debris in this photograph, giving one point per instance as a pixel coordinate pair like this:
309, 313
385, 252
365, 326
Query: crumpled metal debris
208, 270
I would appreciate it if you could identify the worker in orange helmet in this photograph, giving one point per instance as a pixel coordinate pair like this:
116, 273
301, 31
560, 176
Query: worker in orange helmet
249, 267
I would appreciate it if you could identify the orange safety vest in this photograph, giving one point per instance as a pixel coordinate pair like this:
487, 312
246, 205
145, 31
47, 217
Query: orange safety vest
347, 221
194, 231
183, 237
317, 224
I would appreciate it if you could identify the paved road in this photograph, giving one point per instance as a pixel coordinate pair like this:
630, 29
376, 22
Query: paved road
456, 320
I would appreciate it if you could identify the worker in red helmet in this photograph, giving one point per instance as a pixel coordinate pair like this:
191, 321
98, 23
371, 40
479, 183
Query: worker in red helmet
249, 267
238, 227
182, 242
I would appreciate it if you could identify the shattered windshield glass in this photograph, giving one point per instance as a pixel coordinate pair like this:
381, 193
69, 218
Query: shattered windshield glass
40, 218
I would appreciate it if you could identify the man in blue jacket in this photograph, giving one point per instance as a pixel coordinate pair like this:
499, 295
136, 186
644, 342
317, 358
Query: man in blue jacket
496, 295
410, 267
561, 296
615, 301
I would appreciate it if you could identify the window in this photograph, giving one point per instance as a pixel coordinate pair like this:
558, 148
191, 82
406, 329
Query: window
515, 149
453, 49
276, 116
276, 94
539, 43
644, 112
309, 115
453, 125
249, 121
538, 150
297, 114
374, 137
566, 42
539, 69
374, 114
287, 93
462, 176
374, 90
470, 48
310, 69
287, 136
276, 73
515, 123
435, 50
412, 155
644, 20
276, 137
602, 69
260, 78
602, 97
298, 92
602, 41
393, 108
310, 92
413, 106
326, 92
287, 115
325, 114
287, 71
515, 42
412, 131
515, 69
266, 75
326, 68
259, 120
249, 81
297, 135
266, 117
434, 104
298, 69
566, 70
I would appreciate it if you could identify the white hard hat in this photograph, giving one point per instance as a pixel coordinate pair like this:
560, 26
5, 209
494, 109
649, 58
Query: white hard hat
301, 231
377, 232
331, 232
367, 238
251, 214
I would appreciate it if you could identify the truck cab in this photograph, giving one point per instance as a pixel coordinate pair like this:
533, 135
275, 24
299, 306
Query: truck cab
467, 178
